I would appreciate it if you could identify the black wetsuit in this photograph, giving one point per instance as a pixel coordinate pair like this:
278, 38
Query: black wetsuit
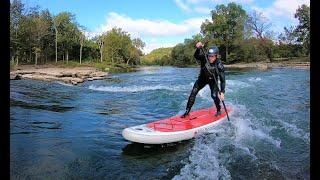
205, 77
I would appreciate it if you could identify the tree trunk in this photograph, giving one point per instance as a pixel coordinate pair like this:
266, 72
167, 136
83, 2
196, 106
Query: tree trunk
63, 57
30, 55
36, 60
128, 61
56, 42
101, 49
270, 53
67, 56
226, 53
101, 54
112, 58
56, 46
17, 61
80, 53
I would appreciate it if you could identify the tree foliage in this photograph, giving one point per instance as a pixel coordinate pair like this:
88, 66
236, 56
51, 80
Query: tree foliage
226, 26
246, 38
119, 48
38, 37
160, 56
303, 28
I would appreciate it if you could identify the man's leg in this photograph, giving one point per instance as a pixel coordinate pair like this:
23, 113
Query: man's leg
215, 97
198, 85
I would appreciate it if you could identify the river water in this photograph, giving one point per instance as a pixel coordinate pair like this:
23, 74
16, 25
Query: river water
58, 131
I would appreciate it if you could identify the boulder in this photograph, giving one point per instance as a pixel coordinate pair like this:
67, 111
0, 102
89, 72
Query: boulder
15, 76
67, 74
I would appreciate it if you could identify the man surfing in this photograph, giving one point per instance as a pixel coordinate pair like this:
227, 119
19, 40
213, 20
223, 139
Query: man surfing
208, 69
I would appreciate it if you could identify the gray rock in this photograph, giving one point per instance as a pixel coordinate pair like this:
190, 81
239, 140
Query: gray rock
15, 76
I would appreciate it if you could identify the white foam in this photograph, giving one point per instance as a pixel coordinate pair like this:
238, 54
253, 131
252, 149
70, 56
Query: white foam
204, 162
208, 160
275, 75
149, 70
234, 84
137, 88
254, 79
64, 84
296, 132
246, 129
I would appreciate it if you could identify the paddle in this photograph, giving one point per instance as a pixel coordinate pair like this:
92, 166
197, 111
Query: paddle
216, 82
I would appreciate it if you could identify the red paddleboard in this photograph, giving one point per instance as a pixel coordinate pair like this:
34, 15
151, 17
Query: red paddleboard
175, 128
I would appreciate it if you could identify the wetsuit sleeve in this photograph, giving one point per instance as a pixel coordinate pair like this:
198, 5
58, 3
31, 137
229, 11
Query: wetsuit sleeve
199, 55
222, 77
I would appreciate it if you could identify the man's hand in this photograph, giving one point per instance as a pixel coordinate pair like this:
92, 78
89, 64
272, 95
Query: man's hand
199, 45
221, 96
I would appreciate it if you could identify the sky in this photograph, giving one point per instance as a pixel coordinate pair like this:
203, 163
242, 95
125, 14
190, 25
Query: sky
163, 23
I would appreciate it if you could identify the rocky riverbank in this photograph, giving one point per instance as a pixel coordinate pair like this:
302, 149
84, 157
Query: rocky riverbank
67, 75
268, 65
78, 75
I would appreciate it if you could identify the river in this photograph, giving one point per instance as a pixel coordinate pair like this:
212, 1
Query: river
58, 131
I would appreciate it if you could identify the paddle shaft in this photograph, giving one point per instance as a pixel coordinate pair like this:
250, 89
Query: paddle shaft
216, 82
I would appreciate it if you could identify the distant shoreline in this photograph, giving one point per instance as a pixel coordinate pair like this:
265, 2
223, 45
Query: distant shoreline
269, 65
301, 63
76, 75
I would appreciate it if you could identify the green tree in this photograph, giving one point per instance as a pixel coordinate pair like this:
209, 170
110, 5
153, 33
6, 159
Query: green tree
90, 50
303, 28
118, 46
182, 53
67, 32
29, 34
47, 34
56, 24
81, 40
159, 56
43, 33
112, 46
139, 45
178, 54
16, 15
226, 26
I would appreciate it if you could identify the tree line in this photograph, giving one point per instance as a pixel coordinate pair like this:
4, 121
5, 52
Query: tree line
244, 37
37, 36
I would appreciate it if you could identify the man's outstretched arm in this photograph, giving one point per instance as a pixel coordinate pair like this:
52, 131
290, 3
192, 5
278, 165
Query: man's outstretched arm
198, 54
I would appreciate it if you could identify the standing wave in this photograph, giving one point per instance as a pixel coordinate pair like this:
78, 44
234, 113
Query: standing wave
215, 152
137, 88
